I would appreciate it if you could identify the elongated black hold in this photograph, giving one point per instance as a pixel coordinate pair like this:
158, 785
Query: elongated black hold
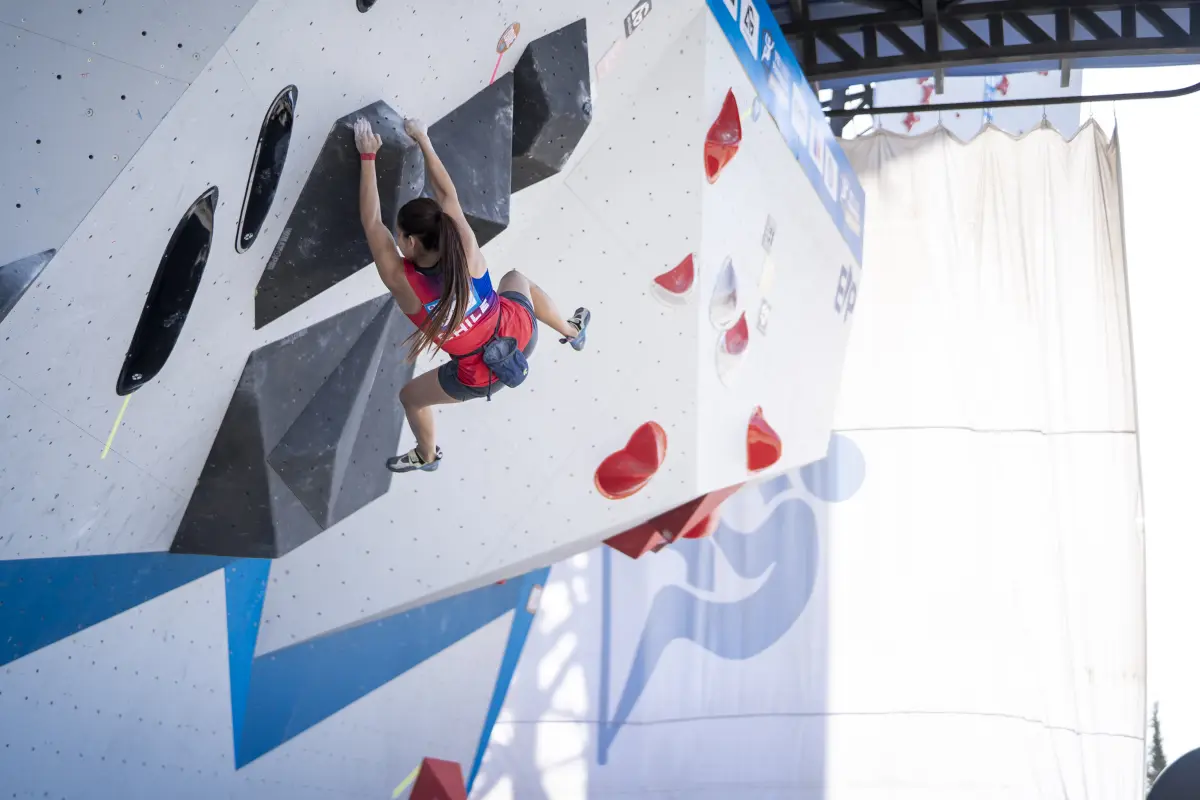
365, 5
267, 168
171, 294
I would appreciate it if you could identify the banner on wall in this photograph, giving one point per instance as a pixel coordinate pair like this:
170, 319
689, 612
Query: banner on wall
755, 36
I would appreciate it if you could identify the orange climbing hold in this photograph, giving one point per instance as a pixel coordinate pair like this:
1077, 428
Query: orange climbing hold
763, 445
627, 471
723, 138
439, 780
673, 286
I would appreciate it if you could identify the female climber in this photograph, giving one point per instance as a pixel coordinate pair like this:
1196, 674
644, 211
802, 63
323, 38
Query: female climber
440, 280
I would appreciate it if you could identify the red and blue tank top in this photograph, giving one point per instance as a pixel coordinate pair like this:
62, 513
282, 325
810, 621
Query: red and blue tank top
480, 321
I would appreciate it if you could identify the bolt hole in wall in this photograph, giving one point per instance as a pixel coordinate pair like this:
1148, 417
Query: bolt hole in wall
171, 294
267, 167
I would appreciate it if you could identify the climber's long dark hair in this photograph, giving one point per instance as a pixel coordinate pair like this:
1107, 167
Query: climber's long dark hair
424, 220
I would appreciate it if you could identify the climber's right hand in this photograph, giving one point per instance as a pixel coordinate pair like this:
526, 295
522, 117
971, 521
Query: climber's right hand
415, 128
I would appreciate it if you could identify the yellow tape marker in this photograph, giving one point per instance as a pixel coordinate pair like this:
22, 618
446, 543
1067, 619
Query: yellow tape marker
404, 784
112, 435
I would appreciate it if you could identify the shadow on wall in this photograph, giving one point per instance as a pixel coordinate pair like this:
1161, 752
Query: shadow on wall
736, 595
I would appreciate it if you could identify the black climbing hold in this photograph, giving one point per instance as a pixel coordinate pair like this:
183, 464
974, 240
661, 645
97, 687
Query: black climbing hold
18, 276
552, 104
267, 167
170, 296
323, 241
365, 5
304, 440
474, 141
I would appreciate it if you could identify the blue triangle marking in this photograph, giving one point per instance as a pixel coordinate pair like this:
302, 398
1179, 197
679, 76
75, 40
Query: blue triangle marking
517, 636
292, 689
245, 591
43, 600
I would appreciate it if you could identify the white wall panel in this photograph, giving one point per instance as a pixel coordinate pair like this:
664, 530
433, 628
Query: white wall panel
794, 370
84, 84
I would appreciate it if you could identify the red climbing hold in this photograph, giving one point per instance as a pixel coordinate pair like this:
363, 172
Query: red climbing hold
763, 446
628, 470
674, 286
731, 349
734, 340
636, 542
706, 527
723, 138
694, 519
439, 780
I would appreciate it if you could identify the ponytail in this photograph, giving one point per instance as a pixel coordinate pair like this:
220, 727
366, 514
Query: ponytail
456, 289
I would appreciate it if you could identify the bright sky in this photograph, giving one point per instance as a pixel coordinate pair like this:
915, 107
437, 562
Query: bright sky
1160, 175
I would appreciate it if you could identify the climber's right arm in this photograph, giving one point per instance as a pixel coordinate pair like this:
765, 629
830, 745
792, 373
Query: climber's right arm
442, 186
446, 195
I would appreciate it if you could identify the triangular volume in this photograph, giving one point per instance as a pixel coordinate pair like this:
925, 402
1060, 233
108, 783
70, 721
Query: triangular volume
552, 104
474, 141
694, 519
380, 424
314, 456
288, 445
323, 242
229, 512
18, 276
287, 374
439, 780
171, 294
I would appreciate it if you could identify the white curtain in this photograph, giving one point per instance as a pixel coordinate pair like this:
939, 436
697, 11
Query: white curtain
986, 585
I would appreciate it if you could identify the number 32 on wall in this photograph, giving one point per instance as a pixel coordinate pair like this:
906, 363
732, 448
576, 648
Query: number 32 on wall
635, 18
847, 294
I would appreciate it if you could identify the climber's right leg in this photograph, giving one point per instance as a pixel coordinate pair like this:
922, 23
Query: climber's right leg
573, 330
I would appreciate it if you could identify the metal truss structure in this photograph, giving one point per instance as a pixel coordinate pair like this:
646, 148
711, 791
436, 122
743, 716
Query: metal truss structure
882, 37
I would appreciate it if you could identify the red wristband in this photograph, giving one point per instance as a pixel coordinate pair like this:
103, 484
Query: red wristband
367, 156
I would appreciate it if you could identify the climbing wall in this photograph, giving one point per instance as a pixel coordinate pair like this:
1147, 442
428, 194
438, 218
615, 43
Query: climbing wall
778, 343
189, 478
85, 84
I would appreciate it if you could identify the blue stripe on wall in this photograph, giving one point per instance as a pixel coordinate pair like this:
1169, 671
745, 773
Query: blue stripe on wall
517, 636
245, 591
43, 600
292, 689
